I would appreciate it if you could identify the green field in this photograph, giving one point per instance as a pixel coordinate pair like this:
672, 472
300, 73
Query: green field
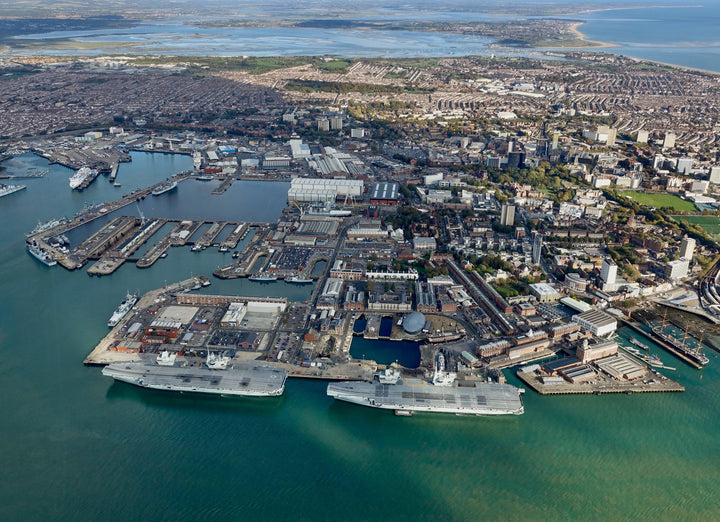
710, 224
660, 200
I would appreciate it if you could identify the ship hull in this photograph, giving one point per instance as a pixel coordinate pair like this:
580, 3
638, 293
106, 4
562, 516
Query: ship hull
241, 381
43, 258
485, 399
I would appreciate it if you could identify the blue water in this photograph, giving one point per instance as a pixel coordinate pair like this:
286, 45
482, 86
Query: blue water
76, 446
685, 36
405, 353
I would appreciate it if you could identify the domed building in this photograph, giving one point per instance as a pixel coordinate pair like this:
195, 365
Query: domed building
413, 323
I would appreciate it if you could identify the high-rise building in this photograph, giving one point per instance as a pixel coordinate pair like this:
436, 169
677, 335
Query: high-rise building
336, 123
677, 269
507, 218
684, 165
516, 160
642, 136
687, 248
323, 125
537, 248
608, 272
714, 175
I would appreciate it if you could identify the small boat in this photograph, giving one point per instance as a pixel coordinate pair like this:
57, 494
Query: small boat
298, 280
263, 278
640, 345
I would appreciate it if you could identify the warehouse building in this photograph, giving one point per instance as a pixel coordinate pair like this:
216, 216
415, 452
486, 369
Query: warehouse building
324, 190
596, 322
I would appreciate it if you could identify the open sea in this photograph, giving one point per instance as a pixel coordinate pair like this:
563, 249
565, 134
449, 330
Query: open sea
74, 445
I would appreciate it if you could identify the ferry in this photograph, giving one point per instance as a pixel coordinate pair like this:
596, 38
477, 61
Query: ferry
82, 178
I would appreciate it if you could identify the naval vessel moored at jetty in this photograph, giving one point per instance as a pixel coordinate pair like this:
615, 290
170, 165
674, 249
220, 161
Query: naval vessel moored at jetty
165, 187
123, 309
217, 376
441, 395
40, 254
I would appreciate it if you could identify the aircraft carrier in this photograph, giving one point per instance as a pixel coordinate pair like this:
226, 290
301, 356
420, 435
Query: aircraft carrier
444, 396
238, 379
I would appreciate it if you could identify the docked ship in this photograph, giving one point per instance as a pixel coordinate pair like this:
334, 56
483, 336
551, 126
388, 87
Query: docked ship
40, 254
298, 280
680, 345
123, 309
640, 345
263, 278
44, 227
6, 190
239, 379
442, 395
82, 178
165, 187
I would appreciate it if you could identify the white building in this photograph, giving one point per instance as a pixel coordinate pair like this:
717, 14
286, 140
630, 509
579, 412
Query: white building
234, 315
677, 269
608, 272
714, 175
596, 322
687, 248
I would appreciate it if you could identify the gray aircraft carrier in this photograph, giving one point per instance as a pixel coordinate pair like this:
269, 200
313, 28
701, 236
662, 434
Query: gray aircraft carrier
241, 379
406, 397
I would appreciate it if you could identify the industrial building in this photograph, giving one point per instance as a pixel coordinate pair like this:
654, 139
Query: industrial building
319, 189
596, 322
587, 352
384, 194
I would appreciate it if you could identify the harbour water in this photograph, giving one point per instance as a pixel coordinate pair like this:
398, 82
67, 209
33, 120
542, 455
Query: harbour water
684, 35
75, 445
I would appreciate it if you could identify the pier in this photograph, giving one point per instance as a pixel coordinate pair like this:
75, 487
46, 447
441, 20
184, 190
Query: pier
660, 342
627, 387
222, 187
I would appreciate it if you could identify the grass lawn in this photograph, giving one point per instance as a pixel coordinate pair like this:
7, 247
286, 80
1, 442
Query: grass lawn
659, 200
710, 224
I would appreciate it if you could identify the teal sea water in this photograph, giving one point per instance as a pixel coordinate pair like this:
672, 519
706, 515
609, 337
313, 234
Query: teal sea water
76, 446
